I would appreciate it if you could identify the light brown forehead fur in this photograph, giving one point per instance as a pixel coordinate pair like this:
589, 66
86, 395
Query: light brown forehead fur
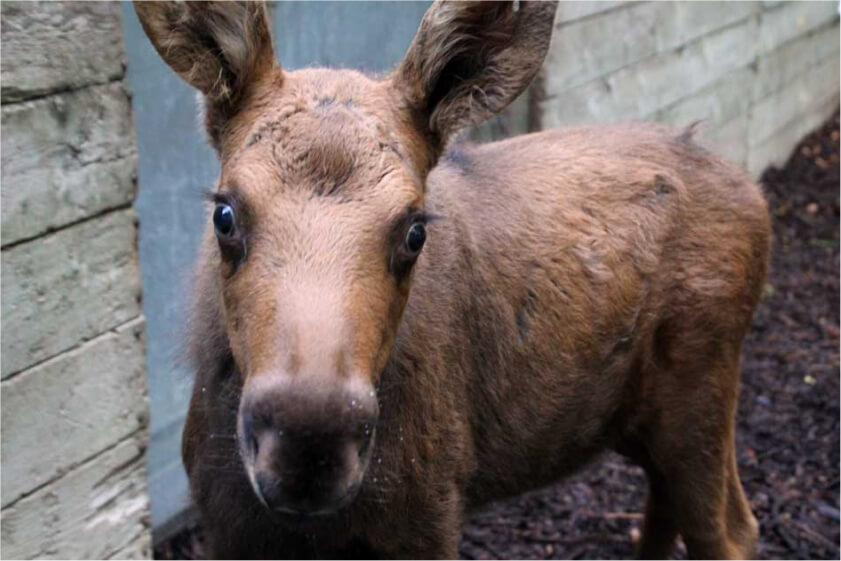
326, 132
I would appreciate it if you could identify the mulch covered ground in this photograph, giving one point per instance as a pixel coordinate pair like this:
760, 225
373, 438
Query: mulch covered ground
788, 434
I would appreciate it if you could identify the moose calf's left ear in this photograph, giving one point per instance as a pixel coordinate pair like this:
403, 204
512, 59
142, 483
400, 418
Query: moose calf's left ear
469, 60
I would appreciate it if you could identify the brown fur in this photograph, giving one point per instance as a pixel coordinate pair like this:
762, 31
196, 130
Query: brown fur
580, 290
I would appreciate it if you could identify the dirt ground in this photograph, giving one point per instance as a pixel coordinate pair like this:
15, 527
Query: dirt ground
788, 429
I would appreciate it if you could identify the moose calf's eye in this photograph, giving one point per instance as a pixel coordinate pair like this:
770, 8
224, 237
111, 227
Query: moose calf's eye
223, 219
415, 237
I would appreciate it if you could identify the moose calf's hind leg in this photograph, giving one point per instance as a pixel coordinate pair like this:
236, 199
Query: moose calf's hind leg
659, 529
709, 510
693, 447
716, 523
742, 526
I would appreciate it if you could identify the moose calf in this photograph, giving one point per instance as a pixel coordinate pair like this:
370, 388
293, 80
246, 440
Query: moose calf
388, 332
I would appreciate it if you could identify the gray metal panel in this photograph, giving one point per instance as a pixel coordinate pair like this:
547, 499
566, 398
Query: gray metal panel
368, 36
175, 165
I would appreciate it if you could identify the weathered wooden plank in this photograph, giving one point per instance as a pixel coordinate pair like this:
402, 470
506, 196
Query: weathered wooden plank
780, 67
67, 287
653, 84
597, 46
778, 147
798, 98
681, 23
791, 20
96, 510
79, 402
54, 46
575, 10
64, 158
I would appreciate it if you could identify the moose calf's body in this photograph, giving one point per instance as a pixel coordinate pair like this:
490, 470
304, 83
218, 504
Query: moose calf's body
580, 290
584, 289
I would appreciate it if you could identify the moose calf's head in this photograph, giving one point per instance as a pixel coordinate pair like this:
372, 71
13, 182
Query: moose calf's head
318, 215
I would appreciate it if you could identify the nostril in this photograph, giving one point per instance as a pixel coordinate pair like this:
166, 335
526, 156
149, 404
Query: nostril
258, 430
247, 432
254, 445
367, 437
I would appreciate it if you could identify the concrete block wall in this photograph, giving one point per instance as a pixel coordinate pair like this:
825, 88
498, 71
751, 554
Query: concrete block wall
73, 390
759, 74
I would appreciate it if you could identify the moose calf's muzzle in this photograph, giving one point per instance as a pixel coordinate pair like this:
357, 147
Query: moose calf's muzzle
306, 445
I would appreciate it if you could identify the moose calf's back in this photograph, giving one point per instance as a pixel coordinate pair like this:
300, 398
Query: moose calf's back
578, 267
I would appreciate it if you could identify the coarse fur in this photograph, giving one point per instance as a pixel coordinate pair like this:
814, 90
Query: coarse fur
580, 289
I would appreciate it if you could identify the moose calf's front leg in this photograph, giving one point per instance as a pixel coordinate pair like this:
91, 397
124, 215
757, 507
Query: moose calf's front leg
446, 530
430, 528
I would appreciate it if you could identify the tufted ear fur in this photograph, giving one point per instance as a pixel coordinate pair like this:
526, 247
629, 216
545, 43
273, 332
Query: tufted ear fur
220, 48
470, 59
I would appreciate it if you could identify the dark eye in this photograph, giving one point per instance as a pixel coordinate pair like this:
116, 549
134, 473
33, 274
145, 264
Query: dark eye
415, 237
223, 219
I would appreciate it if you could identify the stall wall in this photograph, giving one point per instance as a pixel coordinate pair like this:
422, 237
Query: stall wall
759, 75
74, 410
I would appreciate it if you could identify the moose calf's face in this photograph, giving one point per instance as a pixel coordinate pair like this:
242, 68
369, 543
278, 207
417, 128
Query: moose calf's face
319, 219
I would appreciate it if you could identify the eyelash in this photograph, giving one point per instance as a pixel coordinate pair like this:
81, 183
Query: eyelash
223, 199
415, 217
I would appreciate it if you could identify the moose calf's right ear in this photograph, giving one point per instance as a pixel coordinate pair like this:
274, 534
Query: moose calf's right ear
470, 59
220, 48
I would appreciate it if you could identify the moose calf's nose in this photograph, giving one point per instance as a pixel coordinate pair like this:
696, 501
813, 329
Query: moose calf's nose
306, 447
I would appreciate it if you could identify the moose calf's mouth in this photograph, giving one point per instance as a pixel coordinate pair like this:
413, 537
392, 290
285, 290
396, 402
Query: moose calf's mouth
306, 451
309, 476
